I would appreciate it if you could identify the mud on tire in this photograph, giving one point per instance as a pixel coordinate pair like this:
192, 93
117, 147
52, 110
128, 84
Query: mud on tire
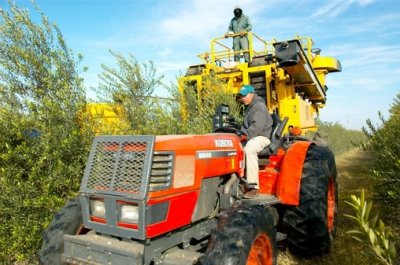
311, 226
67, 221
244, 235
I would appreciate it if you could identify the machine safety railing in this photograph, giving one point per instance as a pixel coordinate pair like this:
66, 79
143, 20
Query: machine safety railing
221, 52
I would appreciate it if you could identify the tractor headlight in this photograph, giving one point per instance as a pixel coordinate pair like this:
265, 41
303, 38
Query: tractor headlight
129, 213
97, 208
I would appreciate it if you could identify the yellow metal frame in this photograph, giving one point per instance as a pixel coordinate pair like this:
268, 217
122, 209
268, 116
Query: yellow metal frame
282, 89
220, 52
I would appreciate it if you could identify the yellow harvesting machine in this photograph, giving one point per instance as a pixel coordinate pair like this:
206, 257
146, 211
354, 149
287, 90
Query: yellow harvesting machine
105, 118
289, 75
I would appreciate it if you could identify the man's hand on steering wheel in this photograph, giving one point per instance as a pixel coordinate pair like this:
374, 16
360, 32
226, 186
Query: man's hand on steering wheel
242, 136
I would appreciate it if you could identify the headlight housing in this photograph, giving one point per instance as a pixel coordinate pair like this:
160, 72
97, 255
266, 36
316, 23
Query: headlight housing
97, 208
129, 213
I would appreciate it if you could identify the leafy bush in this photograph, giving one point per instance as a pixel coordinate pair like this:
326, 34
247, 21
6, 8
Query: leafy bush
199, 102
384, 142
129, 87
42, 148
131, 84
373, 231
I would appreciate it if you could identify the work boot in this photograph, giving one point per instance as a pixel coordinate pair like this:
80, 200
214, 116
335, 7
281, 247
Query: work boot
251, 194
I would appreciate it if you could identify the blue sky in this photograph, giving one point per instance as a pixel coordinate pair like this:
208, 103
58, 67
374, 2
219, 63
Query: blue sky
363, 34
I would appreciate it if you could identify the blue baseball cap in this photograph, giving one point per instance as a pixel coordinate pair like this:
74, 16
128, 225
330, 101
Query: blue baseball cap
246, 89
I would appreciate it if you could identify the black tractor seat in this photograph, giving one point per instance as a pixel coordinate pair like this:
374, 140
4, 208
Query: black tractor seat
276, 136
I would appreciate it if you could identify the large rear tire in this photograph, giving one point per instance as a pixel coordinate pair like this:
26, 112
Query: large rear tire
311, 226
67, 221
244, 235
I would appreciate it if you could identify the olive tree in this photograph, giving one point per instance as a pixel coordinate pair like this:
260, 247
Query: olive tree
129, 88
198, 103
42, 147
384, 142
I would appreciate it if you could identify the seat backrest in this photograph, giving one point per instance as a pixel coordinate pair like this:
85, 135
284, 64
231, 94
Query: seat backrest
275, 123
276, 135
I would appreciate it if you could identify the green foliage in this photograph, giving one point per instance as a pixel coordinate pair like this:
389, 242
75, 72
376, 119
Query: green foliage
339, 139
130, 86
42, 149
199, 104
384, 142
164, 117
372, 231
131, 81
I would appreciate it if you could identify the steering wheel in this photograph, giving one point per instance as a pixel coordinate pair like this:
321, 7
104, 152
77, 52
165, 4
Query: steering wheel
229, 130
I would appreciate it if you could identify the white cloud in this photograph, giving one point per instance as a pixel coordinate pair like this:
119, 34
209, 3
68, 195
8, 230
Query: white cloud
397, 71
202, 19
336, 7
165, 52
333, 8
197, 21
370, 83
365, 2
379, 25
168, 67
363, 54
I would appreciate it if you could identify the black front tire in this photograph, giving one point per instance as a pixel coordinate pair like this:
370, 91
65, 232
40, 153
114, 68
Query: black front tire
67, 221
244, 235
311, 226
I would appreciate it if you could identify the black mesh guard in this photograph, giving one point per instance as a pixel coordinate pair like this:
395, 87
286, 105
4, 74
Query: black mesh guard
119, 165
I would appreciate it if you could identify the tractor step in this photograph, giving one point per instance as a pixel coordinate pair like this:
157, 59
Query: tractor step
262, 199
94, 249
180, 257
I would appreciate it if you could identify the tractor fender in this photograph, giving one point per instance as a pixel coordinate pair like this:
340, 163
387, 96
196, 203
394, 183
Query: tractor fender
288, 189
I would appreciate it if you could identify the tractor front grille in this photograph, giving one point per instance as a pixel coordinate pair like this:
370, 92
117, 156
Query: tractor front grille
119, 164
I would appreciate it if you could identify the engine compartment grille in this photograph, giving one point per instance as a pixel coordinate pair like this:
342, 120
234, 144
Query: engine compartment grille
161, 171
119, 164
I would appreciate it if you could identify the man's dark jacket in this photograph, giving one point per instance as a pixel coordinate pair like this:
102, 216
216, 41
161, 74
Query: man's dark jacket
257, 121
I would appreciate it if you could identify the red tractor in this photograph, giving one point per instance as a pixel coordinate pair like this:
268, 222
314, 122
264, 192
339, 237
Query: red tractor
178, 199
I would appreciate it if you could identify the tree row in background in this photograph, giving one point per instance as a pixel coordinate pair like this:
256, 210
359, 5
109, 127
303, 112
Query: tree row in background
339, 138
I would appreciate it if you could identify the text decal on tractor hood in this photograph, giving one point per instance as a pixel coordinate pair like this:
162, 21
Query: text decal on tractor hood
223, 143
215, 154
